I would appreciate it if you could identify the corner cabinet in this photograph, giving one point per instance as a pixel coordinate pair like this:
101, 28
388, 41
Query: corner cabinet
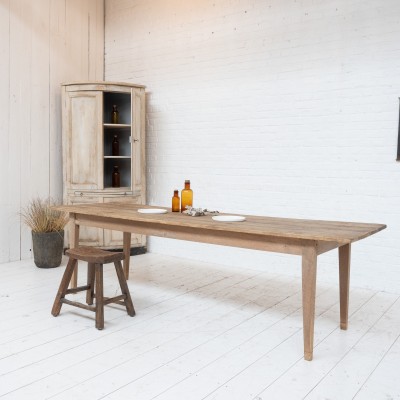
89, 159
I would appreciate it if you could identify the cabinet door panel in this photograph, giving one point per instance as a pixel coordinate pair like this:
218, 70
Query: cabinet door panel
88, 236
84, 152
115, 238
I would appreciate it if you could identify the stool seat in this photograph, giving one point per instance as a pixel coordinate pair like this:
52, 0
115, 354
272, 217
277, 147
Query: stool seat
94, 288
94, 255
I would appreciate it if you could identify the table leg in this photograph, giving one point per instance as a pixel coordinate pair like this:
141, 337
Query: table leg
127, 252
309, 281
74, 242
344, 284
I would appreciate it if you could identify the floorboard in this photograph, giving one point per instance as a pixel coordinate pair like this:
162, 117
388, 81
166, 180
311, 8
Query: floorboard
202, 332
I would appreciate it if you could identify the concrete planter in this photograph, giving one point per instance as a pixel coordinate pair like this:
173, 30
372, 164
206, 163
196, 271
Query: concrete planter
48, 248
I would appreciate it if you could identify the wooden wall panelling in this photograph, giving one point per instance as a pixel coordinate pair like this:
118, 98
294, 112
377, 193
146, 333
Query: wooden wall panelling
18, 185
36, 137
43, 44
5, 204
96, 42
76, 39
57, 72
39, 99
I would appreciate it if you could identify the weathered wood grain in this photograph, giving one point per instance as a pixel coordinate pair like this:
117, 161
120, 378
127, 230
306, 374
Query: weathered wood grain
326, 231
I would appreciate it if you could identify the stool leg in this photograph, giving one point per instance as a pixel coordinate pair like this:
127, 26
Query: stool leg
63, 286
99, 296
90, 282
124, 288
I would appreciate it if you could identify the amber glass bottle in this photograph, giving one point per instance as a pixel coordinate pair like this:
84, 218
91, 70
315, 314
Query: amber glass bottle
176, 201
116, 178
114, 115
115, 146
186, 196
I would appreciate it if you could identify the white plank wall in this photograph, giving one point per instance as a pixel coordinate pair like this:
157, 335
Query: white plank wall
43, 43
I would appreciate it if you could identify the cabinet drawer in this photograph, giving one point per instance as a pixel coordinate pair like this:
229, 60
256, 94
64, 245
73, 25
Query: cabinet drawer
102, 193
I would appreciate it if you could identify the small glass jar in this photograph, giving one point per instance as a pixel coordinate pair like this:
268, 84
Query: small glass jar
176, 201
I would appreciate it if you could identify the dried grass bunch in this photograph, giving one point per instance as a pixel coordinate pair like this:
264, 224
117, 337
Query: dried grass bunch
40, 217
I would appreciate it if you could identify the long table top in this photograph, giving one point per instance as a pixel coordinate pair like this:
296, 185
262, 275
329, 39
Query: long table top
330, 231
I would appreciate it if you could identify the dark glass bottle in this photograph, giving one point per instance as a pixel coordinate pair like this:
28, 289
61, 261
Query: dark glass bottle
176, 201
116, 178
114, 115
186, 196
115, 146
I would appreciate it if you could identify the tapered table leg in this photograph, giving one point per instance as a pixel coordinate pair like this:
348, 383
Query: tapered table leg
309, 280
99, 296
124, 289
344, 284
74, 242
127, 252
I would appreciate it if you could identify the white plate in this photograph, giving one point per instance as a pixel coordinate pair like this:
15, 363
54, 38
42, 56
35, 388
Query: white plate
229, 218
152, 211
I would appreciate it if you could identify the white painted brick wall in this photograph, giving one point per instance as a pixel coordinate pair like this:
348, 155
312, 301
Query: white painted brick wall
280, 108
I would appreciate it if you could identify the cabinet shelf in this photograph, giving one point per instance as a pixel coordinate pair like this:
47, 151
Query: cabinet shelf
117, 126
117, 157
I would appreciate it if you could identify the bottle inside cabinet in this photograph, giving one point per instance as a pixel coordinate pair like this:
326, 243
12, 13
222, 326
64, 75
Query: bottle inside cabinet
117, 108
115, 114
115, 146
124, 169
116, 177
124, 142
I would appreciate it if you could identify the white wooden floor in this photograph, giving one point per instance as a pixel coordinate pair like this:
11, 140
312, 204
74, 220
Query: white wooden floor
201, 331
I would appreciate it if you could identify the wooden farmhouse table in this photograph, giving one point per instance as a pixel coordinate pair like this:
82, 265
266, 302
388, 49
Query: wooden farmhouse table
307, 238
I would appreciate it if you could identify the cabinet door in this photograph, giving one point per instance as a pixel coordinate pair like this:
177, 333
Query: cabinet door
83, 151
88, 236
138, 143
114, 239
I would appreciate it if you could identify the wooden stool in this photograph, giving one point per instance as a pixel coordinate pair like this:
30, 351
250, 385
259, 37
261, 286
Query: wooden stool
95, 259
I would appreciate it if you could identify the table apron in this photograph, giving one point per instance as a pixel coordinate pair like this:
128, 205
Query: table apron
203, 235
